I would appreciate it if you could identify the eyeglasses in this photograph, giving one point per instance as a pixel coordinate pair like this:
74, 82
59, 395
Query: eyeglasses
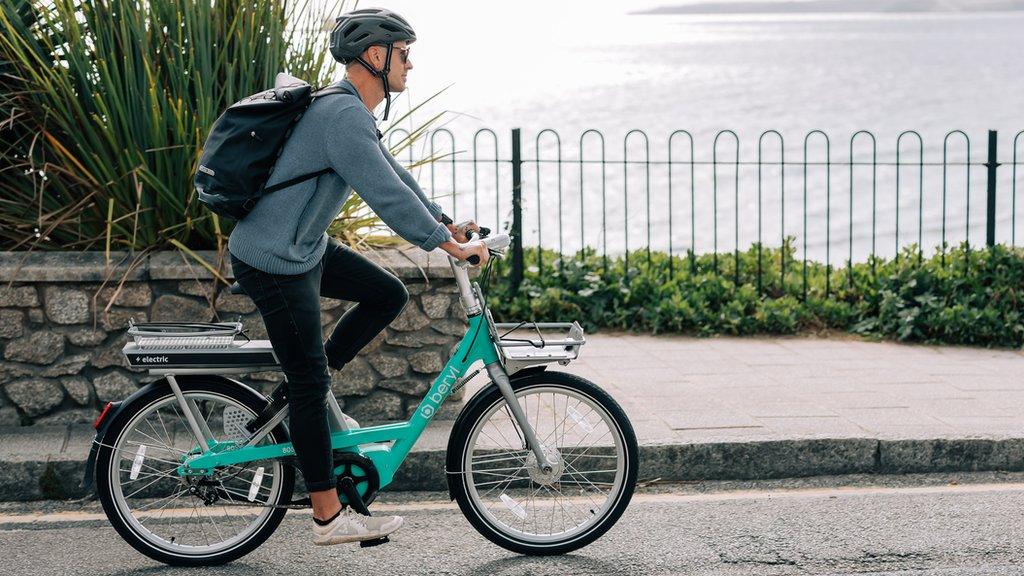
403, 53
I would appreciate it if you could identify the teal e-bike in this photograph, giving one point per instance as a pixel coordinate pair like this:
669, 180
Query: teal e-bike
196, 467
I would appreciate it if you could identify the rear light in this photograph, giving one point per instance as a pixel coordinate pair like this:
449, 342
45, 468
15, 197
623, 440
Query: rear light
103, 414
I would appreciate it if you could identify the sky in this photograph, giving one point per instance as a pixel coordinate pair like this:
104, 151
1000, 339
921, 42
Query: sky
484, 49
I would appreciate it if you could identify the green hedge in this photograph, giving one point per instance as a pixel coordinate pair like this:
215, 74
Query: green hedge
965, 296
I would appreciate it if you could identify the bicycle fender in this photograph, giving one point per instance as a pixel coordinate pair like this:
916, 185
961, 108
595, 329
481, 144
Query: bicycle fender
452, 466
121, 405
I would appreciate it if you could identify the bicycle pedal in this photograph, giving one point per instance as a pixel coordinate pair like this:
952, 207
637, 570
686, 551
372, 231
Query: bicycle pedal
376, 542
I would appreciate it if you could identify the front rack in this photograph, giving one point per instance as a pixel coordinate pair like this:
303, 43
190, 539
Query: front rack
181, 336
534, 347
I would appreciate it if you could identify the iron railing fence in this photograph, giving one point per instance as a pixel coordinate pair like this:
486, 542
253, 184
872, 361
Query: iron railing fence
865, 202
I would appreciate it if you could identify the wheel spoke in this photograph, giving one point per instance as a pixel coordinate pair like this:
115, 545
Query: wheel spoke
148, 457
517, 458
172, 497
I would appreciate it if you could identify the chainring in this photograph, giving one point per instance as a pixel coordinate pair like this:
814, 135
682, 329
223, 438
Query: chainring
362, 472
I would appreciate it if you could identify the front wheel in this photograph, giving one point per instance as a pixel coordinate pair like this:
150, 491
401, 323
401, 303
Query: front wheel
509, 498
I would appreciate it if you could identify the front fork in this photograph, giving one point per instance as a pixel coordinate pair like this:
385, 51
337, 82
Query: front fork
500, 377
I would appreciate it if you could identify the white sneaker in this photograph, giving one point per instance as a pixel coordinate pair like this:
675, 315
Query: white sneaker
351, 526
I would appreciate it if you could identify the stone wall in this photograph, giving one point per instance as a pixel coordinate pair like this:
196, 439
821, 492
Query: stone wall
63, 319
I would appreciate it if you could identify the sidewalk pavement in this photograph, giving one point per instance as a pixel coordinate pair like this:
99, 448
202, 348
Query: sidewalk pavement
721, 408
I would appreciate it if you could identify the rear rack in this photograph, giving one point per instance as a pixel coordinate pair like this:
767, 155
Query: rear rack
538, 348
196, 348
182, 336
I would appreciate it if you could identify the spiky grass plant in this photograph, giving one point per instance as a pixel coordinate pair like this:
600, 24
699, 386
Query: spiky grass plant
105, 106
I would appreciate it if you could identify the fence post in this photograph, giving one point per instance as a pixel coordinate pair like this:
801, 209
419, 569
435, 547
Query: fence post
517, 209
992, 164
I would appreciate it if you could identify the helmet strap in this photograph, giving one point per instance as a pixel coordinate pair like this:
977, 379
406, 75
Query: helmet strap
383, 75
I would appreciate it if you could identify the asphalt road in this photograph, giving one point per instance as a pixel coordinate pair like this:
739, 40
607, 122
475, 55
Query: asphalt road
941, 525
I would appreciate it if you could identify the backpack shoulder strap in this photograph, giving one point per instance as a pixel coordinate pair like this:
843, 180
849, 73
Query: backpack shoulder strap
298, 179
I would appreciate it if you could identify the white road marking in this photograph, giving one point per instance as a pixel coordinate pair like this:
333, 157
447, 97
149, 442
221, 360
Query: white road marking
795, 493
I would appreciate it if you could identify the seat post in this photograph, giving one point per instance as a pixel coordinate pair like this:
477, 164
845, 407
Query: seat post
335, 416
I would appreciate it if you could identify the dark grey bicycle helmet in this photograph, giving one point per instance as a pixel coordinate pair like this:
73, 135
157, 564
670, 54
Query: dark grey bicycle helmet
356, 31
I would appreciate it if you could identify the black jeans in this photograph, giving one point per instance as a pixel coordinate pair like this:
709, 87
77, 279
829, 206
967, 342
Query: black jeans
290, 306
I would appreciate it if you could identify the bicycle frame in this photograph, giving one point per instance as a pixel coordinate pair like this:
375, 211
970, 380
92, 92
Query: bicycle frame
371, 442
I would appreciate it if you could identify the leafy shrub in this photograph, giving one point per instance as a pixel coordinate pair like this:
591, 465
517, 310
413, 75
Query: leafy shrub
962, 296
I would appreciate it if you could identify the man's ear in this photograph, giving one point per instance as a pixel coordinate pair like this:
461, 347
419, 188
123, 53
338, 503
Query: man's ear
376, 59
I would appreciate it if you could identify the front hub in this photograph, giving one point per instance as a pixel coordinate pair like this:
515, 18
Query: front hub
541, 476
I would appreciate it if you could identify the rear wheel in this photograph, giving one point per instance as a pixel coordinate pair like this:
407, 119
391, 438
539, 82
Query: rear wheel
516, 504
195, 520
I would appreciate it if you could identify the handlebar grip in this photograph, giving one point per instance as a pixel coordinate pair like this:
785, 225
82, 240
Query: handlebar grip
474, 259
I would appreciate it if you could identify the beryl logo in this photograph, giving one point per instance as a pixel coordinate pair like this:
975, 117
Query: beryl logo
433, 401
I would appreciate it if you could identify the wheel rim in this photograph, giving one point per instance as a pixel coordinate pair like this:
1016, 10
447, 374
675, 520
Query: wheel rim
157, 504
509, 491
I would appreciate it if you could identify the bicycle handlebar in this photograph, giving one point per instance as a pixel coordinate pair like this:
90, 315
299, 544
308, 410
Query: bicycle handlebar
495, 244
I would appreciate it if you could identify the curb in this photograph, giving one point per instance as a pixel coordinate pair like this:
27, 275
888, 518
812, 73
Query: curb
59, 478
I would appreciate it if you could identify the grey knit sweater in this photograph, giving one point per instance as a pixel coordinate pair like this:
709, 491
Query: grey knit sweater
286, 233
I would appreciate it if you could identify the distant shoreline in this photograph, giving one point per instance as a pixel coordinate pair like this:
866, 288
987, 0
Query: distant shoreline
836, 6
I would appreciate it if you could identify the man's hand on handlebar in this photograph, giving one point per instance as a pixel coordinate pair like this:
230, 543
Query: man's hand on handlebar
460, 232
464, 250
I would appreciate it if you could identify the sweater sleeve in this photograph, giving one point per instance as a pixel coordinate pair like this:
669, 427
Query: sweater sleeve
355, 154
433, 207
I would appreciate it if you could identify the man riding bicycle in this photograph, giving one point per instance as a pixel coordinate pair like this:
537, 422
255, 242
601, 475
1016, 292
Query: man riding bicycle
283, 258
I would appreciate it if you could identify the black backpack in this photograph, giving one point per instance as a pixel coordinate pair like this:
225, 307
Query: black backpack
244, 144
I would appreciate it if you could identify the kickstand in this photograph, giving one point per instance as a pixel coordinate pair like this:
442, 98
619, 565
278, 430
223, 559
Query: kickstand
348, 488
